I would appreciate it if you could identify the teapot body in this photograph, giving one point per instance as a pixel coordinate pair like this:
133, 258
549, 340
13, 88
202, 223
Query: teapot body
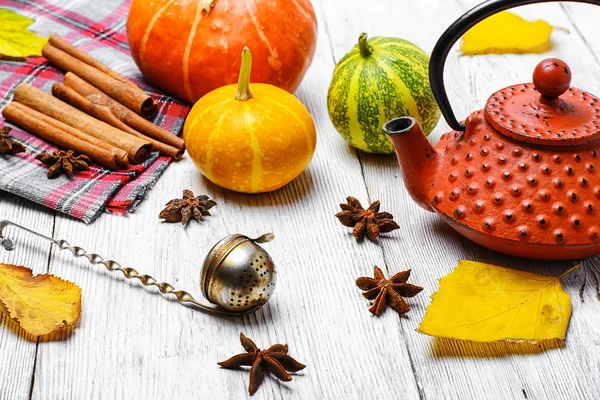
519, 176
518, 198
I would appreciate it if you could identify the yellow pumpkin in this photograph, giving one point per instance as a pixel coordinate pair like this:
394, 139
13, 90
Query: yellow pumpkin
250, 138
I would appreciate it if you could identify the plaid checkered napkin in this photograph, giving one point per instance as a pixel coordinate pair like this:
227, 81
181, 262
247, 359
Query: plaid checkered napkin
98, 28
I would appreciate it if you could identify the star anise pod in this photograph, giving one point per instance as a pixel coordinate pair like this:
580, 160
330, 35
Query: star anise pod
275, 360
370, 220
8, 145
64, 161
388, 290
188, 208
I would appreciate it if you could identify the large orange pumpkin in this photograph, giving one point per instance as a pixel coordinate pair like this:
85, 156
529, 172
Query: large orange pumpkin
190, 47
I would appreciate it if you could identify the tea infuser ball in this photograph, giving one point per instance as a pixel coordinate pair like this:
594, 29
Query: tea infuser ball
238, 274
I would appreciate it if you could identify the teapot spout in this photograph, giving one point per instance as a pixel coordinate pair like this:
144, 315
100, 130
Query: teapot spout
416, 156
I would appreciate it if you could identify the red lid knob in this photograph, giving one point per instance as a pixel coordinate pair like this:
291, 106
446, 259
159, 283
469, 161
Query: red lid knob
552, 77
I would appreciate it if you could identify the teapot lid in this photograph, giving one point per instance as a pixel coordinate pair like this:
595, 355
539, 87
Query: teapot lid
548, 111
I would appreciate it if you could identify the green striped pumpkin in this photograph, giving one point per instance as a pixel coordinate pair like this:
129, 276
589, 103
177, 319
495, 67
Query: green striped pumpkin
380, 79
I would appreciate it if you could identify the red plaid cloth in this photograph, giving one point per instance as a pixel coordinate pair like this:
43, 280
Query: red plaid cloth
98, 28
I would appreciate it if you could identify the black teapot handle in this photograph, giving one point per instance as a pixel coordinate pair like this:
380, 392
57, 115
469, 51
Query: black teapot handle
454, 32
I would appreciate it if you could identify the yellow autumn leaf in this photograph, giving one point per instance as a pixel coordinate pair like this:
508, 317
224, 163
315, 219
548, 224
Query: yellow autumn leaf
486, 303
40, 304
506, 32
15, 40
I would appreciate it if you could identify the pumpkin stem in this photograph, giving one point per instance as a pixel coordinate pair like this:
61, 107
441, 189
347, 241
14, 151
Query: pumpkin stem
207, 5
244, 93
363, 45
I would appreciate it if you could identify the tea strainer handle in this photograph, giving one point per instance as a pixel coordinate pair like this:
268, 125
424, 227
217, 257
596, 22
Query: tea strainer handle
165, 288
454, 32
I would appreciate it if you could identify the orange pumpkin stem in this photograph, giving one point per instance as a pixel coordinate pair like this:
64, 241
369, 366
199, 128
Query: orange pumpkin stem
244, 93
363, 45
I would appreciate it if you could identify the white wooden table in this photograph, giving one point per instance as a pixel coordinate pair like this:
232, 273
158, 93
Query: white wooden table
131, 343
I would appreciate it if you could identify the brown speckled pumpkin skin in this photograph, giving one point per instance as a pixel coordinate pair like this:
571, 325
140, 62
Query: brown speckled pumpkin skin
187, 53
518, 198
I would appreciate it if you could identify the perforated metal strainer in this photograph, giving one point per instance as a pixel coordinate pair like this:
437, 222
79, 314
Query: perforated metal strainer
238, 275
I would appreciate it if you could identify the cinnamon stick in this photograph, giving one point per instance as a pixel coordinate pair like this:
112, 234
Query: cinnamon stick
93, 142
26, 118
132, 97
137, 149
67, 47
103, 112
123, 113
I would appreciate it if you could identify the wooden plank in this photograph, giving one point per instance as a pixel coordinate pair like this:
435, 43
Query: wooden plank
447, 369
134, 344
18, 348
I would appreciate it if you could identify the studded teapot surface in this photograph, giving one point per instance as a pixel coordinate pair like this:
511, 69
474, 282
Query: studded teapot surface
519, 176
516, 190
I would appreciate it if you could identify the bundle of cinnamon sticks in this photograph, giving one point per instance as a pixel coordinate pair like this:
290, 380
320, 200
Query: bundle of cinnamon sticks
96, 111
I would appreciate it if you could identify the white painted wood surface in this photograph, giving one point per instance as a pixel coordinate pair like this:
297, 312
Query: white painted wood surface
131, 343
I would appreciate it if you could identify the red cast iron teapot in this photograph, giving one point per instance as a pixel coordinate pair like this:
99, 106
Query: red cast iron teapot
521, 176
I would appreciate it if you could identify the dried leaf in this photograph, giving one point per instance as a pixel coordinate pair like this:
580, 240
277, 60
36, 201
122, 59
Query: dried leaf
16, 42
40, 304
506, 32
486, 303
